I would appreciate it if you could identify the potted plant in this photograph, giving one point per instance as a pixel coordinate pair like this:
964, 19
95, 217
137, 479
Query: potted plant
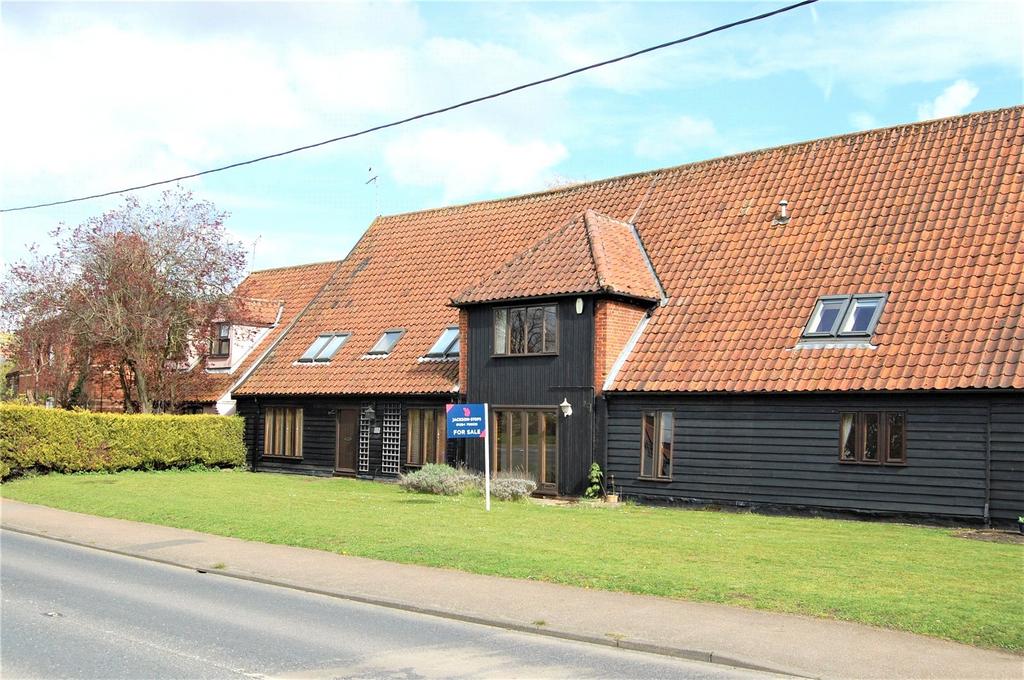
612, 496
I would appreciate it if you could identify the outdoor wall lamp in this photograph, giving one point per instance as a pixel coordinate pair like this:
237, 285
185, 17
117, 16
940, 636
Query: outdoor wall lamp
566, 407
369, 413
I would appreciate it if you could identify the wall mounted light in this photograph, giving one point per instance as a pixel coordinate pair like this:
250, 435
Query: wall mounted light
579, 305
369, 413
566, 408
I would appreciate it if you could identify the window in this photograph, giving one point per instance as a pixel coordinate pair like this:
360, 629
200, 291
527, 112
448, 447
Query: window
282, 434
526, 330
526, 443
427, 436
872, 438
447, 346
656, 445
388, 341
221, 345
324, 347
845, 316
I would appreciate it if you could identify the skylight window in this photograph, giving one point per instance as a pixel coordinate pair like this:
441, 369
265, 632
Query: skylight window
845, 316
388, 341
324, 347
447, 346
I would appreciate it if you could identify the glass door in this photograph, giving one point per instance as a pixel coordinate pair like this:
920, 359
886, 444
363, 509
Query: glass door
526, 443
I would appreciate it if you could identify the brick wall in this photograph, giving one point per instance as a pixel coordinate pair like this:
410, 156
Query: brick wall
614, 323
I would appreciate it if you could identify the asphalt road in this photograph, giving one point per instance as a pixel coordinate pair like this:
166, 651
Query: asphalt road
75, 612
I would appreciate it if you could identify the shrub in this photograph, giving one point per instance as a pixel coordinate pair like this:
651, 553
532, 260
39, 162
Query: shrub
438, 479
512, 488
54, 440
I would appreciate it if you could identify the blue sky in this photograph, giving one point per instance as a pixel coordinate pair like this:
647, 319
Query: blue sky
118, 94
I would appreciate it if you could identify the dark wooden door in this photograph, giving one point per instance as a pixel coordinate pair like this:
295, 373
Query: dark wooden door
347, 441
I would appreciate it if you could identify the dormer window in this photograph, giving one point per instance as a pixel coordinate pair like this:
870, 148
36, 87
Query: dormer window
388, 341
324, 347
447, 346
221, 344
526, 330
845, 316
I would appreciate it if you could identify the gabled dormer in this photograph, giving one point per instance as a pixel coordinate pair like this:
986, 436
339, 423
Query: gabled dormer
595, 264
239, 330
541, 335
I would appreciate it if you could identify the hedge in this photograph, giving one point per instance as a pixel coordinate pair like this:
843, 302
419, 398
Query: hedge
39, 439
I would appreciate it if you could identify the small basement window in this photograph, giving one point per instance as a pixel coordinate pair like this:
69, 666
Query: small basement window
324, 347
388, 341
447, 346
845, 316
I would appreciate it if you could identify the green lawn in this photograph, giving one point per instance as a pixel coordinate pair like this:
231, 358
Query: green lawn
917, 579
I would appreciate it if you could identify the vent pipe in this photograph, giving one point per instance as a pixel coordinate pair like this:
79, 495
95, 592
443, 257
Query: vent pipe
783, 216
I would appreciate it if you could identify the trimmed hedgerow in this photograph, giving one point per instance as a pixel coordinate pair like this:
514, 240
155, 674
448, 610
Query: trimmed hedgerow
39, 439
438, 479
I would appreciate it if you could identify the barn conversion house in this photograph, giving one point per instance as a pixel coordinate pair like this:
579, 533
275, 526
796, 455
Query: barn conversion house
834, 324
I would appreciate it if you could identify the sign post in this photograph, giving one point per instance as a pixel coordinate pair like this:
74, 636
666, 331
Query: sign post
487, 463
469, 421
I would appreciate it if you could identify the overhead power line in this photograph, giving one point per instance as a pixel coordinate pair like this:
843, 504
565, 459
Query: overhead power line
427, 114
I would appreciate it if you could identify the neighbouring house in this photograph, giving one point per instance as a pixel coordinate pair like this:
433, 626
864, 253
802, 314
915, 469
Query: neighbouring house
264, 305
832, 325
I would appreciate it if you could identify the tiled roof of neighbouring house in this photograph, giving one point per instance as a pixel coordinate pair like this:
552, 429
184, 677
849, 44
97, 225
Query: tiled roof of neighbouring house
929, 213
267, 296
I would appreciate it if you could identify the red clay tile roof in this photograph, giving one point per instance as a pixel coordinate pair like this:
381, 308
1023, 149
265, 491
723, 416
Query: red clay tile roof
264, 293
929, 213
593, 253
256, 312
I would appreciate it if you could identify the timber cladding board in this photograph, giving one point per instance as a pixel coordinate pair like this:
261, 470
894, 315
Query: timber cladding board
783, 450
1008, 457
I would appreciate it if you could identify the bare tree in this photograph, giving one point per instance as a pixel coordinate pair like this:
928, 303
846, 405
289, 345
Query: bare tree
136, 288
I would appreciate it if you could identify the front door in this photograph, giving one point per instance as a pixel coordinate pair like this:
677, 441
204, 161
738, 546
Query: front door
526, 444
347, 441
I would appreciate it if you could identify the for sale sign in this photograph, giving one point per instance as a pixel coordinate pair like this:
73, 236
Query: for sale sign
466, 421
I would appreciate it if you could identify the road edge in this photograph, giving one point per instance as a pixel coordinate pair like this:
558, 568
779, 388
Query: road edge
604, 641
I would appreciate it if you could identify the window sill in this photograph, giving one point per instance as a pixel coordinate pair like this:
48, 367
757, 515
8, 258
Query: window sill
873, 464
829, 342
521, 356
297, 459
663, 480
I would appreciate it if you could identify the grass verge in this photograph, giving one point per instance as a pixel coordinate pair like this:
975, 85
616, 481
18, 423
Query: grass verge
917, 579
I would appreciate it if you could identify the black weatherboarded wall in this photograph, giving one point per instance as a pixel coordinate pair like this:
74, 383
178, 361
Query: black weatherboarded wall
783, 450
540, 381
319, 431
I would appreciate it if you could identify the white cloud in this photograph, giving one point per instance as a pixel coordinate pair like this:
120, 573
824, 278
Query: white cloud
468, 162
835, 45
862, 120
678, 136
953, 101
